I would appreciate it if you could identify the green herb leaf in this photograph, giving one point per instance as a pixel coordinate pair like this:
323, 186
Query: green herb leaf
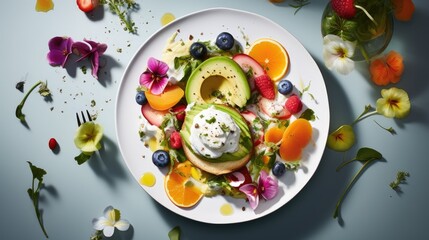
18, 111
308, 114
174, 233
298, 4
401, 178
365, 155
82, 157
33, 192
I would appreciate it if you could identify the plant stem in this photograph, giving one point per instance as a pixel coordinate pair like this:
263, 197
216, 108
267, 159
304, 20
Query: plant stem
344, 164
340, 201
364, 115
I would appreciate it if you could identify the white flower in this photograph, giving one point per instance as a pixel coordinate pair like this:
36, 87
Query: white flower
110, 221
337, 54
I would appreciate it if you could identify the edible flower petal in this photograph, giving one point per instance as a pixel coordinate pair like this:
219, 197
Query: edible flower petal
394, 103
403, 9
92, 51
267, 188
337, 54
155, 77
110, 221
88, 137
59, 50
387, 69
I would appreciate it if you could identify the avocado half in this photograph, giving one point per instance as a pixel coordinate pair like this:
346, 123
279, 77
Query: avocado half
227, 162
218, 80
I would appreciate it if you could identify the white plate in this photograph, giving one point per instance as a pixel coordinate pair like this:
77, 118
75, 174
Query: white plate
205, 25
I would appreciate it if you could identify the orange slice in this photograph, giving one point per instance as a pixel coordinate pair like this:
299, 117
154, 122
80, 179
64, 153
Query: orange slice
272, 56
179, 188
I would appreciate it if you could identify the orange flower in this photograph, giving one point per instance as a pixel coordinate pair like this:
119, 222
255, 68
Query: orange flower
403, 9
387, 69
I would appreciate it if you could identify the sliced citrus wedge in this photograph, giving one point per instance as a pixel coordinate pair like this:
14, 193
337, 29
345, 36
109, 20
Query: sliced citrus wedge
271, 55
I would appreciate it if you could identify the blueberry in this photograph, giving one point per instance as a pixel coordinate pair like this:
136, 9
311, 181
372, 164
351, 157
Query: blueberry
198, 50
141, 98
161, 158
285, 87
225, 41
278, 169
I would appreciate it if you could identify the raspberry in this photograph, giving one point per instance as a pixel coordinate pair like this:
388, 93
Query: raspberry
344, 8
293, 104
175, 140
52, 144
265, 86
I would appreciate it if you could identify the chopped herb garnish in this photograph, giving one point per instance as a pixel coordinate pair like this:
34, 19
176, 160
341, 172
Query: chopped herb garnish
401, 178
224, 127
211, 120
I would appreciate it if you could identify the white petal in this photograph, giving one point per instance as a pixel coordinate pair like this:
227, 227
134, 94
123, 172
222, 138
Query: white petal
99, 223
331, 38
344, 65
240, 179
122, 225
329, 59
108, 231
107, 210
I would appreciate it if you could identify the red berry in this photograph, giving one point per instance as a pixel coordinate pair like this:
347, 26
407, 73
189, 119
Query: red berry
344, 8
52, 143
179, 110
175, 140
265, 86
293, 104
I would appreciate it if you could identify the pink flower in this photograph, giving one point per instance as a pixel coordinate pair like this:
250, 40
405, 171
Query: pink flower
92, 51
267, 188
155, 77
59, 50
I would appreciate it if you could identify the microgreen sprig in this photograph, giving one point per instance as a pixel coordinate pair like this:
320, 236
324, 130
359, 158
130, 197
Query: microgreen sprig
298, 4
34, 192
401, 177
117, 6
364, 155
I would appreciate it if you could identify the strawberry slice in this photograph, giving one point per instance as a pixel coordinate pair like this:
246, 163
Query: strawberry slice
154, 117
249, 65
273, 109
87, 5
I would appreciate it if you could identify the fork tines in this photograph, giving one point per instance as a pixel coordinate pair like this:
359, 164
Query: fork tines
83, 117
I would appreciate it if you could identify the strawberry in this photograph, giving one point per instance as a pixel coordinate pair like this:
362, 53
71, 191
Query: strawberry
344, 8
293, 104
175, 140
265, 86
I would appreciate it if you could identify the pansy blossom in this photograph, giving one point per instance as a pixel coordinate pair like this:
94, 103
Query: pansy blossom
394, 103
337, 54
59, 50
267, 188
110, 221
155, 77
92, 51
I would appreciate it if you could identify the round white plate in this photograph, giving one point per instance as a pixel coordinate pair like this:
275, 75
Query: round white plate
206, 25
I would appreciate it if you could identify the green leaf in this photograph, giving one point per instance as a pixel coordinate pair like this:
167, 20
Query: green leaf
367, 154
174, 233
38, 173
82, 157
308, 114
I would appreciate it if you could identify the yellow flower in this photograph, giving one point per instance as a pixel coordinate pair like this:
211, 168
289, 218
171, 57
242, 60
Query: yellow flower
88, 137
394, 103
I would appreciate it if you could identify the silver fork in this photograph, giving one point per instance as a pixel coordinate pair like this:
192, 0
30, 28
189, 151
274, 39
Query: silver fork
83, 117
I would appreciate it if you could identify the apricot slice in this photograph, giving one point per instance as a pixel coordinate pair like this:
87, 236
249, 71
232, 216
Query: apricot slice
274, 135
296, 136
166, 100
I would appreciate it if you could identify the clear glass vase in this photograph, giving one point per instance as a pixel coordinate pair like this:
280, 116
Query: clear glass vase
371, 36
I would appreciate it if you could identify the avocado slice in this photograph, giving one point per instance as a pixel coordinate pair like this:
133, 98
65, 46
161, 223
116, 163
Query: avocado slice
218, 80
227, 162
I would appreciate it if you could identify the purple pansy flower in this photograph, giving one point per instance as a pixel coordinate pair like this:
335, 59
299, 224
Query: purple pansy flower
59, 50
155, 77
91, 50
267, 188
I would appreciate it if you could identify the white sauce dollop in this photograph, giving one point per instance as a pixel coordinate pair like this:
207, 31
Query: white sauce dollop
213, 133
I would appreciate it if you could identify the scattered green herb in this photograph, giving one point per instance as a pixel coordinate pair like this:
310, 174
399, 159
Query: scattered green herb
390, 129
122, 8
401, 178
211, 120
174, 233
365, 156
44, 91
84, 69
298, 4
34, 192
